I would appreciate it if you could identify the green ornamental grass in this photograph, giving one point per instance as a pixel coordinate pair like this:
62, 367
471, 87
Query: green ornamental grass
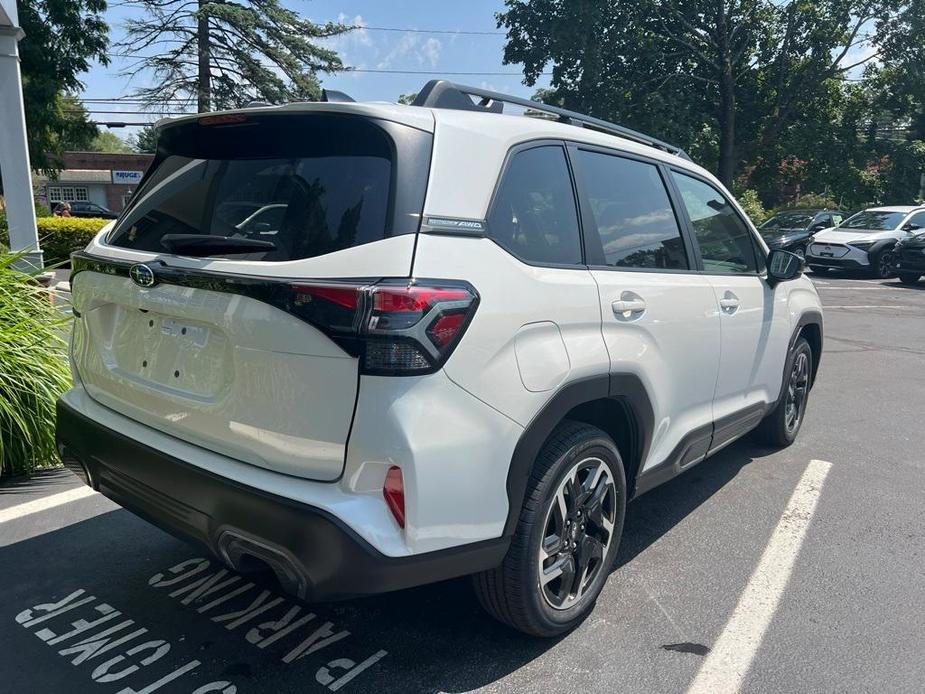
33, 370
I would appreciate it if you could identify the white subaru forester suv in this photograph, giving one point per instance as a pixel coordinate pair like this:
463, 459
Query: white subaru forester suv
371, 346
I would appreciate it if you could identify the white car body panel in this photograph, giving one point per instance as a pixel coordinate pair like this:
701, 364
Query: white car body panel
673, 346
515, 295
752, 362
276, 405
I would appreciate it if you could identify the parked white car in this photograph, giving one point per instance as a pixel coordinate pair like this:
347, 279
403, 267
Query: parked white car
460, 343
865, 240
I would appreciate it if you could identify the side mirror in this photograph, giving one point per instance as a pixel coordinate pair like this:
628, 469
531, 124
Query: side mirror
911, 227
783, 266
819, 226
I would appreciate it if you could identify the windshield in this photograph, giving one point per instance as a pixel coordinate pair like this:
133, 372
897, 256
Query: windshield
308, 185
788, 220
869, 220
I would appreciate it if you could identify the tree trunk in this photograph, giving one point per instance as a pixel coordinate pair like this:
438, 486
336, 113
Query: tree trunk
727, 124
204, 84
727, 102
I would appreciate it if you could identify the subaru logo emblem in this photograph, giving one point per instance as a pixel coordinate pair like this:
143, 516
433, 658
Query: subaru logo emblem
142, 275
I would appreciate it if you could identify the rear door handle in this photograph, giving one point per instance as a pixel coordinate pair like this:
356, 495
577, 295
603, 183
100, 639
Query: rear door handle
729, 303
630, 306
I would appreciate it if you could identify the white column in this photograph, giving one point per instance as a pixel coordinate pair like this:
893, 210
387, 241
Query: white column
14, 152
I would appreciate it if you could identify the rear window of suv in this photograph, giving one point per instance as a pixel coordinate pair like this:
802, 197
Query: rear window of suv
311, 185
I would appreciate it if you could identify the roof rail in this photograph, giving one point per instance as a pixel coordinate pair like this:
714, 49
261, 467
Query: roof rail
445, 94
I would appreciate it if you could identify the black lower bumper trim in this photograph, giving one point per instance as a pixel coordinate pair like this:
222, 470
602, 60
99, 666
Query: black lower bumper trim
315, 555
909, 267
839, 263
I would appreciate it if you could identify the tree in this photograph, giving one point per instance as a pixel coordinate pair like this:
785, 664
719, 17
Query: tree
61, 38
225, 53
145, 141
732, 75
107, 141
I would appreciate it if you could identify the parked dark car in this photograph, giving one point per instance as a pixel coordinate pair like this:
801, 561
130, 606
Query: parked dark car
909, 259
790, 229
91, 209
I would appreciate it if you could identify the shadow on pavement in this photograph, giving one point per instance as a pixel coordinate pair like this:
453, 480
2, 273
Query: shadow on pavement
42, 482
436, 637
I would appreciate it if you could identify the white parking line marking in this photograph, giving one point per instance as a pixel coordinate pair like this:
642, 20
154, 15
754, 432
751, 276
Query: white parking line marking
894, 306
725, 667
44, 503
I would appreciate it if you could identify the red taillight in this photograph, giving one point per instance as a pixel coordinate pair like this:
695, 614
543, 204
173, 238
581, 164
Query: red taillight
413, 298
445, 328
396, 327
348, 297
393, 489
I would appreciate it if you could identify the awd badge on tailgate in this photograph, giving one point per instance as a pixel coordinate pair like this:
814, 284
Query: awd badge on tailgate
142, 275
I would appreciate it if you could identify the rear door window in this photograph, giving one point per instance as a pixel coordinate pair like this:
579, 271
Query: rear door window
534, 215
632, 211
310, 185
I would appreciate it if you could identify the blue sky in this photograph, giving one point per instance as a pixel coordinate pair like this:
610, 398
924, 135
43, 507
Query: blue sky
367, 49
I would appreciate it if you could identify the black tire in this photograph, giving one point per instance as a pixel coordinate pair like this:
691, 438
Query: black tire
779, 428
512, 592
818, 269
907, 278
882, 264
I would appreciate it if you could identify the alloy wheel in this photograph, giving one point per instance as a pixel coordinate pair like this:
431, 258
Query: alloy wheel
578, 532
797, 390
885, 265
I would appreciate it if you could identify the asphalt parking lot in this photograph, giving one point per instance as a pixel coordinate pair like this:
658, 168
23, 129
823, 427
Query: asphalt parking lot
794, 571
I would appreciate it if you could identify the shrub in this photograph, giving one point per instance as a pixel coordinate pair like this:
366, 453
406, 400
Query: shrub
60, 236
33, 369
750, 202
810, 200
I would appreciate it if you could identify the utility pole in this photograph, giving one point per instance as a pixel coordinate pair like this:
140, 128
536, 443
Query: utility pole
14, 149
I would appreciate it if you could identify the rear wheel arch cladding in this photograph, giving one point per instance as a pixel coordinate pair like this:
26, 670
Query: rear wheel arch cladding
808, 326
626, 390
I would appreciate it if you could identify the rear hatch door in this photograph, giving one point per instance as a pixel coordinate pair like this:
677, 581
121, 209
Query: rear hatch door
216, 350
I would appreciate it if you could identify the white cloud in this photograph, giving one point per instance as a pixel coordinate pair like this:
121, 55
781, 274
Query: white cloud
406, 44
357, 37
430, 52
411, 47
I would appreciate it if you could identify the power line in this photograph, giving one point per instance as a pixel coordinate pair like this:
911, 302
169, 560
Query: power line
431, 31
127, 113
433, 72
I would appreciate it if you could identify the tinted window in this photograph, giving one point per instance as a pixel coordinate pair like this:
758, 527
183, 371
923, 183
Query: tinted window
873, 221
725, 242
918, 220
534, 214
633, 213
789, 220
310, 186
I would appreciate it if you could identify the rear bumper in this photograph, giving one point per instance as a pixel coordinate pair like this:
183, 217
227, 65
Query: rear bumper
315, 555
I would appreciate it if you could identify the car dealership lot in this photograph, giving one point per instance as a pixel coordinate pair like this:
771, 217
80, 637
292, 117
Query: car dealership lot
755, 570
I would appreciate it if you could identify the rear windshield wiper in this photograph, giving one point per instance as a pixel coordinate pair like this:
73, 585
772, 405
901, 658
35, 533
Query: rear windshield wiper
210, 244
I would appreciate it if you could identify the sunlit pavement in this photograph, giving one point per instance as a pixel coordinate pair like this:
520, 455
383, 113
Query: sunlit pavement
795, 571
